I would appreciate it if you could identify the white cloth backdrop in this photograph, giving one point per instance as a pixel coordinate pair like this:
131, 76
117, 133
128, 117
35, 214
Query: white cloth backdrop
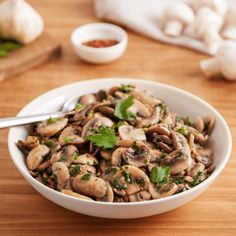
144, 17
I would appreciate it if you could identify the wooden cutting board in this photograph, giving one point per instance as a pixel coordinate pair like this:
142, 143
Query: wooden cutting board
36, 53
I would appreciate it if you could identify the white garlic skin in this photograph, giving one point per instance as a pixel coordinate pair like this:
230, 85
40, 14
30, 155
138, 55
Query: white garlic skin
19, 21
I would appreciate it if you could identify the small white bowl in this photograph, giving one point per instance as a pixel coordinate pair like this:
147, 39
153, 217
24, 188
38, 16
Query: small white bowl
103, 31
179, 101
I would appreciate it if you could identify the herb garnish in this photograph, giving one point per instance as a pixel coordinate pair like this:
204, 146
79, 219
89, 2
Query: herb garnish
179, 180
187, 121
104, 137
48, 143
121, 109
78, 106
118, 185
140, 181
86, 177
75, 155
128, 177
182, 131
197, 179
52, 120
125, 88
67, 140
75, 170
110, 170
159, 175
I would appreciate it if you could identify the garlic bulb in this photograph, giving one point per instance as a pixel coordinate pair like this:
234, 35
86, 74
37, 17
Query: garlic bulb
19, 21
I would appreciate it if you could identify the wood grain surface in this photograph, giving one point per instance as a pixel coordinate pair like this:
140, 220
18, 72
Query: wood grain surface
23, 211
29, 56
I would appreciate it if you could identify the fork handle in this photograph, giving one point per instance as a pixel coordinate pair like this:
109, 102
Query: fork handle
25, 120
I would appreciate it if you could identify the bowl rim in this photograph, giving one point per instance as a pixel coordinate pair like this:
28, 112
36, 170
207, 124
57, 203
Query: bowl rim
113, 27
205, 183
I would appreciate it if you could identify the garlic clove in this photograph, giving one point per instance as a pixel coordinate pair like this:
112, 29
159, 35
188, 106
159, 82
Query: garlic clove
19, 21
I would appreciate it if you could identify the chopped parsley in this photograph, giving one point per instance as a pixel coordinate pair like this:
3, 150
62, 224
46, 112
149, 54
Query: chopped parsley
86, 177
128, 177
104, 137
119, 186
121, 109
187, 121
48, 143
125, 88
140, 181
52, 120
110, 170
163, 107
197, 179
179, 180
67, 140
159, 175
182, 131
75, 155
63, 158
78, 106
75, 170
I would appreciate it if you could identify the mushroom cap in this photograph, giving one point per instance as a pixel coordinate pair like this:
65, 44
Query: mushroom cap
94, 187
61, 171
128, 132
226, 57
47, 129
219, 6
35, 156
179, 12
69, 135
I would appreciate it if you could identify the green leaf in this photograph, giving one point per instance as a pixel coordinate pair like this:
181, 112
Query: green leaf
104, 137
128, 177
78, 106
110, 170
182, 131
121, 109
86, 177
52, 120
187, 121
125, 88
67, 140
3, 53
197, 180
48, 143
159, 174
75, 170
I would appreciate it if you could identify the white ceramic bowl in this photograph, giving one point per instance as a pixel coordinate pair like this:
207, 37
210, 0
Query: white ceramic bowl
94, 31
179, 101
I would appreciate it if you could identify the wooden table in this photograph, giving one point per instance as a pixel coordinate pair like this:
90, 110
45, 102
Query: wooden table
23, 211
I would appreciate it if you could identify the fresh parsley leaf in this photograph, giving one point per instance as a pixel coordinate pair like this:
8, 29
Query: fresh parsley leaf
86, 177
125, 88
110, 170
182, 131
48, 143
78, 106
52, 120
140, 181
197, 179
121, 109
179, 180
63, 158
128, 177
187, 121
67, 140
104, 137
163, 107
75, 170
118, 185
159, 175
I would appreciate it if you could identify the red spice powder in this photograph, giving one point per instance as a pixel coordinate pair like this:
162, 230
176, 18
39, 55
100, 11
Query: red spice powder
101, 43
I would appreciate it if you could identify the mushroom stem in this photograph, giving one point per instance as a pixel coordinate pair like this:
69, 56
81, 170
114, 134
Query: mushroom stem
211, 67
212, 40
229, 32
173, 28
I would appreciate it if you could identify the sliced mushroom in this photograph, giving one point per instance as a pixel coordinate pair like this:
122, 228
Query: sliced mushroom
199, 167
179, 141
84, 169
109, 172
86, 159
94, 123
154, 119
178, 161
128, 132
138, 155
140, 196
199, 124
61, 171
164, 191
125, 143
205, 157
68, 154
139, 109
87, 99
93, 187
109, 197
209, 123
70, 136
47, 129
116, 157
160, 129
165, 147
32, 142
101, 95
36, 155
73, 194
106, 154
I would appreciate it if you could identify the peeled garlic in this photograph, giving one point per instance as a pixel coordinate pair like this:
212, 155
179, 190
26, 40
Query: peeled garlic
19, 21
